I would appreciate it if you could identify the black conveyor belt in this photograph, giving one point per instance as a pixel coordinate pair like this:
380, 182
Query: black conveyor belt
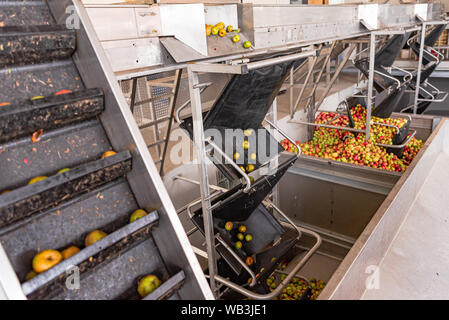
48, 122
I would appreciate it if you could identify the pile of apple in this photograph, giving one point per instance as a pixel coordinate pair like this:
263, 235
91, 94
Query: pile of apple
289, 146
240, 236
383, 134
296, 288
345, 146
221, 30
317, 286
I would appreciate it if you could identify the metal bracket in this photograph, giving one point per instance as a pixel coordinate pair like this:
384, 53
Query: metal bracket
367, 25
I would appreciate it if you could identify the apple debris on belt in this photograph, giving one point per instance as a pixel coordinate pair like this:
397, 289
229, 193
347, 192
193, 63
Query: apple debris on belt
36, 136
63, 92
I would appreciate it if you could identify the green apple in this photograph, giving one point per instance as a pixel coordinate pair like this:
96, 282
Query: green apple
238, 245
215, 30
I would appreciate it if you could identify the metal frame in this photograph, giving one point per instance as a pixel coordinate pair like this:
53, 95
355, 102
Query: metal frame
363, 29
10, 287
294, 107
292, 273
242, 289
372, 51
195, 87
144, 179
155, 123
233, 68
198, 126
420, 59
178, 74
199, 142
311, 100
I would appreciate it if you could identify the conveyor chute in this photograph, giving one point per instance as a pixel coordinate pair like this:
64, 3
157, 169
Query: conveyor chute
243, 104
58, 105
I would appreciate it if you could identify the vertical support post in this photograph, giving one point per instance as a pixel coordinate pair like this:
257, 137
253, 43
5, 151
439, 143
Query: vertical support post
311, 101
198, 138
312, 61
133, 94
418, 75
311, 115
156, 126
274, 119
359, 73
173, 99
369, 102
292, 83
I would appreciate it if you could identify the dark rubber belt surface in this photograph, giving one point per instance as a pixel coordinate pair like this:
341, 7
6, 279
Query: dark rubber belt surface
247, 98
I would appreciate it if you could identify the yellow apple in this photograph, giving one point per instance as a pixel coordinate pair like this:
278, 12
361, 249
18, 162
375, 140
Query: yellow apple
139, 213
94, 236
46, 259
148, 284
70, 251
